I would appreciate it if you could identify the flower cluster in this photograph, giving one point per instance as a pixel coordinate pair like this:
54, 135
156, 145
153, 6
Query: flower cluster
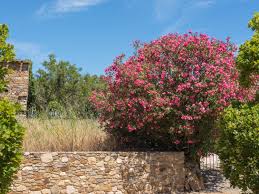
171, 84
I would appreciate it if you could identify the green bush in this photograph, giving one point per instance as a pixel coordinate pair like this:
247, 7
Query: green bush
238, 146
11, 137
11, 133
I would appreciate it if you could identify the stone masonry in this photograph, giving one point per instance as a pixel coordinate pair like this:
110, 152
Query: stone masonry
18, 81
100, 173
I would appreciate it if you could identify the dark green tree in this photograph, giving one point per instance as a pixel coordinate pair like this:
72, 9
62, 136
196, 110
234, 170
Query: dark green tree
6, 52
61, 88
90, 83
248, 56
31, 94
239, 125
239, 129
11, 133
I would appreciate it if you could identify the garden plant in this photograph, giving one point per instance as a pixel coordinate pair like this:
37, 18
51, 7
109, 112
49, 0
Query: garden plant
11, 133
240, 124
240, 132
168, 95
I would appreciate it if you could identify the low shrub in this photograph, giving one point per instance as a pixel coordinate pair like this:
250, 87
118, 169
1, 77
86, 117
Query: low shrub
238, 146
11, 137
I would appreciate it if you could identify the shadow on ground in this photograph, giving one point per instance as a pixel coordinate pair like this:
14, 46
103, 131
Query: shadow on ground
214, 180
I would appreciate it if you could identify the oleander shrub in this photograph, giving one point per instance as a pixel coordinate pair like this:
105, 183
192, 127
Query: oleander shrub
238, 146
169, 93
11, 137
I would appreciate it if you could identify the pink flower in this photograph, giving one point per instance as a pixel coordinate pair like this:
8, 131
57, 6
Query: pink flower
190, 142
139, 82
130, 128
163, 74
185, 75
177, 142
187, 117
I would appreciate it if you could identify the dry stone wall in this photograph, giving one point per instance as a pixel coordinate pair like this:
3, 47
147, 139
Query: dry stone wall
18, 81
100, 173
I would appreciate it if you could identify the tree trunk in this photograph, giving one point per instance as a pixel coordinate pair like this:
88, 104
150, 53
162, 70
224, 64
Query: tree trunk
193, 176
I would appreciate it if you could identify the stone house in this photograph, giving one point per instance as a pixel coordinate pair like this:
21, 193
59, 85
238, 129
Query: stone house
18, 81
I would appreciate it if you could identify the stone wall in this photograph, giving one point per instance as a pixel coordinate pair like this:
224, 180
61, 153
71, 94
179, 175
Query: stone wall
101, 172
18, 81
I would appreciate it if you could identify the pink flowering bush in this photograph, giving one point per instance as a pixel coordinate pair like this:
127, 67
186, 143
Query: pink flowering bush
168, 94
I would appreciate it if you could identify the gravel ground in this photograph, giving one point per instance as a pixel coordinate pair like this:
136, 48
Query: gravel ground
215, 183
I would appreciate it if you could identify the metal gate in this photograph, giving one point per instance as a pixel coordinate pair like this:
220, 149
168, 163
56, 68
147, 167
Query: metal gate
210, 162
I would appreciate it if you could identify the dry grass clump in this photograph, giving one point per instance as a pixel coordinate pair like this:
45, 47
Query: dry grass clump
63, 135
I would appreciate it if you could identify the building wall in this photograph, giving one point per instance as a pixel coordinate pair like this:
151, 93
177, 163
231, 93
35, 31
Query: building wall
18, 81
101, 172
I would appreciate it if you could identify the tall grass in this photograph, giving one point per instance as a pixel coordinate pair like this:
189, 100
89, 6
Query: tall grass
64, 135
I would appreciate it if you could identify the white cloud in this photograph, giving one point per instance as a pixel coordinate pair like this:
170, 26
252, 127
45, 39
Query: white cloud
165, 9
29, 50
59, 7
175, 9
180, 12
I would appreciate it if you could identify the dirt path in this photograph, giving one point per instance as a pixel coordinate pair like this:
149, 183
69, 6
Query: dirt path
215, 183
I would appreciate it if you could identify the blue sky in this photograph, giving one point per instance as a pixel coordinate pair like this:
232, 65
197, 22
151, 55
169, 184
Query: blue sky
91, 33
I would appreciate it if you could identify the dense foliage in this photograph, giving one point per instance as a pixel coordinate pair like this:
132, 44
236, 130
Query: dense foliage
240, 124
248, 56
11, 137
61, 90
238, 147
169, 93
6, 49
11, 133
6, 52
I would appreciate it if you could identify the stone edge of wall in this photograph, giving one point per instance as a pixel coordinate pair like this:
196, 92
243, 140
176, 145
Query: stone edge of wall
36, 164
99, 152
